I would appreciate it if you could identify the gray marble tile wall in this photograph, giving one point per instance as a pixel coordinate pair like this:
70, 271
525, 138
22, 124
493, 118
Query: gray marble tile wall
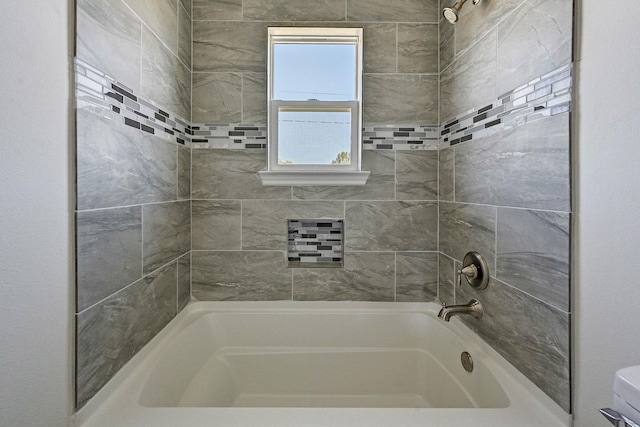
512, 204
532, 335
497, 46
143, 44
115, 329
240, 230
400, 56
133, 216
505, 191
390, 223
126, 237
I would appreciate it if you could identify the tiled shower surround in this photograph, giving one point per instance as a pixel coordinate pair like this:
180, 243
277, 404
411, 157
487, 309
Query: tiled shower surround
465, 134
133, 190
390, 224
506, 191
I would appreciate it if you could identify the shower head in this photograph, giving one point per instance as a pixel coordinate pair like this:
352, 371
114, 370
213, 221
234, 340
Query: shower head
451, 13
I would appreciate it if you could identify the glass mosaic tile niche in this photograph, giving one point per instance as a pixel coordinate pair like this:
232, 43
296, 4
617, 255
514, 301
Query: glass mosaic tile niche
315, 243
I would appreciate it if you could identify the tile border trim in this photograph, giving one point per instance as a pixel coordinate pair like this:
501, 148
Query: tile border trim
540, 98
95, 88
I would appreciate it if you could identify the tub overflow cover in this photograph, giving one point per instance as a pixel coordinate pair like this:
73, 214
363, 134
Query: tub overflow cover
467, 361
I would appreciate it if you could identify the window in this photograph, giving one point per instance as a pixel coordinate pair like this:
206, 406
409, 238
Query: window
314, 106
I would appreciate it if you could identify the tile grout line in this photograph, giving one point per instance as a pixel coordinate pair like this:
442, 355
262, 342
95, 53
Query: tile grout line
177, 286
495, 245
142, 240
130, 285
395, 276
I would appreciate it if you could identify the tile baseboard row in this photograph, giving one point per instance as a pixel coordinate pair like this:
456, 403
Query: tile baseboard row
540, 98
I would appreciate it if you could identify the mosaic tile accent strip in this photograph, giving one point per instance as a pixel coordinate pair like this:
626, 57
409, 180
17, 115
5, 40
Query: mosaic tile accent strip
388, 137
543, 97
96, 88
405, 137
315, 243
229, 136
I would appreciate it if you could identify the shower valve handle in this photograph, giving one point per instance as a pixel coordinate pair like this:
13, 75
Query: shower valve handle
470, 272
475, 270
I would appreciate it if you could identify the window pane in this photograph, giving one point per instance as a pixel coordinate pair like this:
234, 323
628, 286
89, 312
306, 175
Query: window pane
314, 137
326, 72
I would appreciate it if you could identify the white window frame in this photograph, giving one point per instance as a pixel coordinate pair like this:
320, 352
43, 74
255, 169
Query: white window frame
314, 174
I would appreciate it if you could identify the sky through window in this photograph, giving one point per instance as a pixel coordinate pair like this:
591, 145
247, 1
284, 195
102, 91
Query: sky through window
325, 72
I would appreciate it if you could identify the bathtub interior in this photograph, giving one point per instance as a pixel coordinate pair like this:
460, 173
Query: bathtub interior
319, 358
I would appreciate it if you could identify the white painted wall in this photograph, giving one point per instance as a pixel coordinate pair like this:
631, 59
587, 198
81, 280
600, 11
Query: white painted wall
35, 214
607, 184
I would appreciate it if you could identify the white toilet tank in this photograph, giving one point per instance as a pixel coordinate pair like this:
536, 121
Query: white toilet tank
626, 392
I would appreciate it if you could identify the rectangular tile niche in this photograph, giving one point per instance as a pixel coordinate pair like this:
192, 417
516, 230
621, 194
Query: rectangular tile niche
315, 243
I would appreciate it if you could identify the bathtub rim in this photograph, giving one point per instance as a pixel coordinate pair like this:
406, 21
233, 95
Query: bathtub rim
526, 399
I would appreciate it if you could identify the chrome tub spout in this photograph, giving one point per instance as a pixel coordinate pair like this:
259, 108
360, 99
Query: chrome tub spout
473, 308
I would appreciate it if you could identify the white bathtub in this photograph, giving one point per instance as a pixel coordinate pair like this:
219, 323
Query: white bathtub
317, 364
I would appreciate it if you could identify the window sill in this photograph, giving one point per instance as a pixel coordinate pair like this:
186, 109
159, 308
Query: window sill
307, 178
